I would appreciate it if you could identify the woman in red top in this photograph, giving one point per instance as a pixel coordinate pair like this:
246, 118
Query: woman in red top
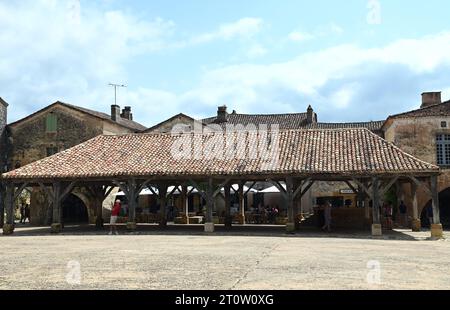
114, 214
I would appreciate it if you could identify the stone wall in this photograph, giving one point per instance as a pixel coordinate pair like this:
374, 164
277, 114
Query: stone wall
30, 139
167, 126
30, 142
3, 122
417, 136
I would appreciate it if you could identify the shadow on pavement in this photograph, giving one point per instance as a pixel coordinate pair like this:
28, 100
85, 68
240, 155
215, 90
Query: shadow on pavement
220, 230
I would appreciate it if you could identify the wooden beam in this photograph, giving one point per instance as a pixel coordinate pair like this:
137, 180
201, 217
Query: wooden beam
19, 191
279, 187
435, 200
217, 191
415, 206
376, 201
173, 191
209, 201
250, 188
123, 187
388, 186
144, 185
68, 189
46, 190
352, 187
307, 188
421, 184
364, 187
107, 192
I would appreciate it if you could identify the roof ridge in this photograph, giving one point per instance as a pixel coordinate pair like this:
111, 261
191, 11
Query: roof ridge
420, 109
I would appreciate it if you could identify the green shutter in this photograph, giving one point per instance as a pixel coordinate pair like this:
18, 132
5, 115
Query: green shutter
51, 123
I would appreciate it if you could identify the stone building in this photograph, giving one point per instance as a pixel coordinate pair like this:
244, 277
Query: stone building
339, 192
425, 134
56, 128
3, 151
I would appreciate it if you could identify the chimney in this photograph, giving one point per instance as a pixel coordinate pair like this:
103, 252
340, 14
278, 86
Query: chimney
222, 115
310, 119
126, 113
115, 112
430, 98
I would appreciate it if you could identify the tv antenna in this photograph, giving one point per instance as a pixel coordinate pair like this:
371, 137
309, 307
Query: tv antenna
115, 90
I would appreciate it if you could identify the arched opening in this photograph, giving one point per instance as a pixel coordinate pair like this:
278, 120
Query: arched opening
444, 210
74, 210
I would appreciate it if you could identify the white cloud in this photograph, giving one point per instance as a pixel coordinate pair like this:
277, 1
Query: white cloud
47, 57
322, 31
345, 82
243, 28
298, 36
256, 50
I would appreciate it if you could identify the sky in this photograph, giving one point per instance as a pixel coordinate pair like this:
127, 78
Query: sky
351, 60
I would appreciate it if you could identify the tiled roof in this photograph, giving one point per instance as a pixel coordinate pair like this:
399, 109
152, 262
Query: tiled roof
442, 109
121, 121
372, 126
285, 121
290, 121
326, 152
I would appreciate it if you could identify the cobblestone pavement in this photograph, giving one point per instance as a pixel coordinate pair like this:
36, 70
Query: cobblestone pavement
242, 259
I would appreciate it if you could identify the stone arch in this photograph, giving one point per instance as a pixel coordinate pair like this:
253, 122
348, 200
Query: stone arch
75, 209
444, 209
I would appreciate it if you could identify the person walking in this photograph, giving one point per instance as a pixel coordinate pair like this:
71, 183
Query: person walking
27, 214
388, 215
22, 213
327, 216
114, 215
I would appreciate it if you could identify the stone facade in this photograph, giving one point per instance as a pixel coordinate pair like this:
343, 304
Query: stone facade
417, 136
3, 136
30, 140
3, 152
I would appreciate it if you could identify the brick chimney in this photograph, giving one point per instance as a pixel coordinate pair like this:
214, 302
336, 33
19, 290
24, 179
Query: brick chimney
222, 114
310, 119
115, 112
430, 98
126, 113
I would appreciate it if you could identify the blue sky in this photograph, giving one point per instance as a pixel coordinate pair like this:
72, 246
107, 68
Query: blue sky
352, 60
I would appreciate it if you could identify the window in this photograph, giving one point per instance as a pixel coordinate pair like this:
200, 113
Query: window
50, 123
52, 151
443, 124
443, 150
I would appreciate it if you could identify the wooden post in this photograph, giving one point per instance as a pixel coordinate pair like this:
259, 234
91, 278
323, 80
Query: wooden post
376, 222
56, 208
436, 227
162, 193
8, 227
2, 205
399, 193
241, 203
99, 212
132, 202
290, 226
416, 225
185, 204
209, 224
228, 219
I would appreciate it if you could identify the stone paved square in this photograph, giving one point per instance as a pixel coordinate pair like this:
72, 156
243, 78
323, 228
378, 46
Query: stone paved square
245, 259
